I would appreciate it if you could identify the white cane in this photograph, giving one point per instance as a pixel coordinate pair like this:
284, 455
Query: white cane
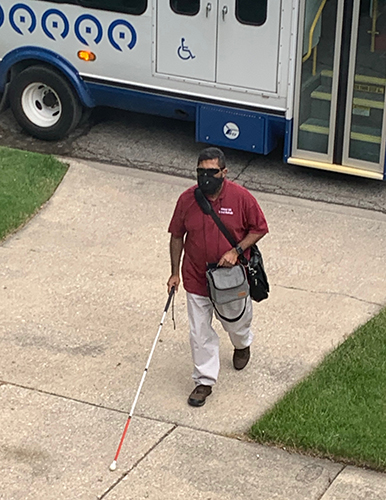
113, 465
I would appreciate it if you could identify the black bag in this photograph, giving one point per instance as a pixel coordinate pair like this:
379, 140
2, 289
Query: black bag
257, 277
258, 281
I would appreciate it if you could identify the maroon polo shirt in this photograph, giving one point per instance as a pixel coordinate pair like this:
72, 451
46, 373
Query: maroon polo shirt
204, 242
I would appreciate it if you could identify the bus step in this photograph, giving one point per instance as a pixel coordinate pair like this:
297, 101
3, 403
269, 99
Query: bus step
364, 134
363, 79
361, 99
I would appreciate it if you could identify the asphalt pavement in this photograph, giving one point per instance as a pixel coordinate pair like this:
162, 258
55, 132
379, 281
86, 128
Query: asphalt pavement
83, 287
158, 144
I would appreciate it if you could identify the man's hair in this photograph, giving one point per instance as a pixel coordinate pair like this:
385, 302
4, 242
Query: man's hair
212, 154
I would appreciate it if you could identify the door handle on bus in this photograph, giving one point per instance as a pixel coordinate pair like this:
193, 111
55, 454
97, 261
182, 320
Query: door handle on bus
224, 12
208, 8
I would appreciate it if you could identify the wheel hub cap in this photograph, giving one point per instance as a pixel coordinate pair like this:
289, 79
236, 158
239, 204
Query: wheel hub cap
41, 105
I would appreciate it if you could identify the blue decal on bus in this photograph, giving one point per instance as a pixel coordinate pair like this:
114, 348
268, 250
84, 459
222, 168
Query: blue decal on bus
66, 24
122, 35
22, 18
93, 19
1, 17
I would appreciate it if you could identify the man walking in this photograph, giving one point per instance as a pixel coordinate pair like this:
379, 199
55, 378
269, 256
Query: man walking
203, 243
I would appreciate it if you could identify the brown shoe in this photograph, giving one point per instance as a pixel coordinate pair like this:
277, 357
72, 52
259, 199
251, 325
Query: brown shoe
198, 396
241, 358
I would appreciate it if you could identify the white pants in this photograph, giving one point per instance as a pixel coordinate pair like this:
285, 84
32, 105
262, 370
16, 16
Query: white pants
204, 341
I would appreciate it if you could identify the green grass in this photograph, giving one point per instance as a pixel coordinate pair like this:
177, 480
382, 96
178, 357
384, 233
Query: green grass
339, 411
27, 180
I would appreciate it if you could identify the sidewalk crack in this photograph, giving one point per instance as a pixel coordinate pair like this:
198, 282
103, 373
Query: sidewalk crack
331, 483
243, 170
125, 474
338, 294
62, 396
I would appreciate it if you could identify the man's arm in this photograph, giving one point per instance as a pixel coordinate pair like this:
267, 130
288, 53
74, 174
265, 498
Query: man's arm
176, 246
229, 258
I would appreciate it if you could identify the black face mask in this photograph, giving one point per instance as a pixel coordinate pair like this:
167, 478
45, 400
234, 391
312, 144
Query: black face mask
209, 184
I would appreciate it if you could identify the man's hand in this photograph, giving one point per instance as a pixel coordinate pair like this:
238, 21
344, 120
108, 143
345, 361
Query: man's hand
174, 280
229, 259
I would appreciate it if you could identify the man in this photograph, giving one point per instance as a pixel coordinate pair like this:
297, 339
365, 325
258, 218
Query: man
203, 243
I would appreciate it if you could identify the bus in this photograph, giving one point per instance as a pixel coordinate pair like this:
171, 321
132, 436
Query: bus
308, 76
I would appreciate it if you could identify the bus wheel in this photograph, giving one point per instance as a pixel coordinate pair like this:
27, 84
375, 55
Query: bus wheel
44, 103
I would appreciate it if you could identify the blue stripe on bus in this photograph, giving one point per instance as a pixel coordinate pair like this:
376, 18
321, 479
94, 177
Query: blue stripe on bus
141, 102
288, 140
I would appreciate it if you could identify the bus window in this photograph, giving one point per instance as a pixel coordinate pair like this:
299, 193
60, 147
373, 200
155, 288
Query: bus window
135, 7
251, 11
185, 7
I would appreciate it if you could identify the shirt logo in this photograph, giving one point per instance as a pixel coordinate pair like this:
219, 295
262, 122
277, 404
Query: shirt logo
225, 211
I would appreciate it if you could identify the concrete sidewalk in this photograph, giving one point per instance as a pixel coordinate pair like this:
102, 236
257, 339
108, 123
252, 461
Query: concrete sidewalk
81, 296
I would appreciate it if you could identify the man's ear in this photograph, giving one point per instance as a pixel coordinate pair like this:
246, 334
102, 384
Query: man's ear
225, 171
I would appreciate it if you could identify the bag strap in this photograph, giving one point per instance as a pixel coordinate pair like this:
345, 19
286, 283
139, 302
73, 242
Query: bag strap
207, 208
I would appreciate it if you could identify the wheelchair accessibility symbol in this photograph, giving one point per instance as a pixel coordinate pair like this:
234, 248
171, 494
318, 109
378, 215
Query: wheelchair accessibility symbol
183, 51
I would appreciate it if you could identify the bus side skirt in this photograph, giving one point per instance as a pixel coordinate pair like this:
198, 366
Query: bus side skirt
222, 125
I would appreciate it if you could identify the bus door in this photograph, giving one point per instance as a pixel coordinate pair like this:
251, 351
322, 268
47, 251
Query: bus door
186, 38
231, 42
339, 120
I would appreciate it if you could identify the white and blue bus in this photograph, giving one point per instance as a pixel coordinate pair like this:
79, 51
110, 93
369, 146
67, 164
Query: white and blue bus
251, 74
